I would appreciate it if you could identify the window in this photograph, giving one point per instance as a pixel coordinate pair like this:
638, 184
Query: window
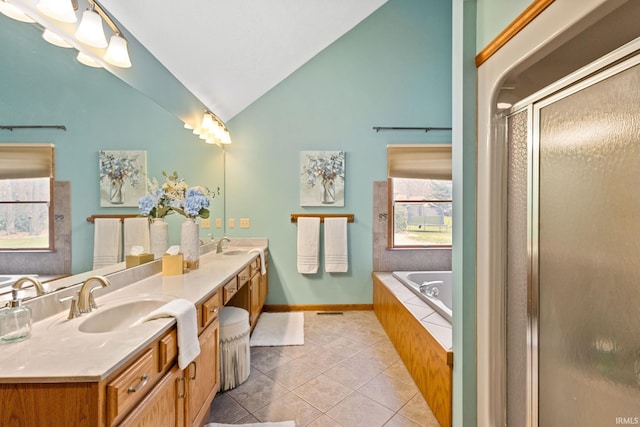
420, 196
26, 197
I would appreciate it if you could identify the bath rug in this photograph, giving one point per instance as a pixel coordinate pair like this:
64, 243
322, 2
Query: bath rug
276, 424
276, 329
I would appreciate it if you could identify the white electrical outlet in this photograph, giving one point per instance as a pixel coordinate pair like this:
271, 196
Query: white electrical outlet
232, 222
244, 223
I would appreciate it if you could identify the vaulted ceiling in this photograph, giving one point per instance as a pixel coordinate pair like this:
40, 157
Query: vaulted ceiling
228, 53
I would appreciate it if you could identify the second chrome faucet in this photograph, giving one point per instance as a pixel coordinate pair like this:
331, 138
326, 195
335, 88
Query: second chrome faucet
86, 302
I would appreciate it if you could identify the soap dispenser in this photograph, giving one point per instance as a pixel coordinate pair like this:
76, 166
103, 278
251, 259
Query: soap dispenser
15, 320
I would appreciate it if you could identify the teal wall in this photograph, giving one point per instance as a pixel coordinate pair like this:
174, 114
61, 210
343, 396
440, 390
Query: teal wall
393, 69
493, 16
44, 84
464, 213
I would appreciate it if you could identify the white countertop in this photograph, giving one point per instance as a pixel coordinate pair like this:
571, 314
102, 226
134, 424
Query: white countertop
58, 352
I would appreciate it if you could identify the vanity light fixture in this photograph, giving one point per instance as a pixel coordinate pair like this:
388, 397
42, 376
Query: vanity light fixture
60, 10
90, 30
55, 39
117, 52
87, 60
213, 130
14, 12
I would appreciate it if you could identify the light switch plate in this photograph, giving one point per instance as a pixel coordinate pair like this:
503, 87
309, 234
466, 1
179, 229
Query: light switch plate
244, 223
205, 223
218, 222
232, 222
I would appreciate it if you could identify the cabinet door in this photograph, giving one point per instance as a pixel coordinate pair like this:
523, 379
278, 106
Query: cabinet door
203, 375
163, 406
264, 287
254, 298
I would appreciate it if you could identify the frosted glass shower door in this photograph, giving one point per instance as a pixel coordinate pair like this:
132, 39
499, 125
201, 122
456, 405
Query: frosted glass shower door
588, 254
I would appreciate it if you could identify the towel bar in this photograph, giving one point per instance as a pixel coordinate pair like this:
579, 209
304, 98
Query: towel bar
350, 217
121, 216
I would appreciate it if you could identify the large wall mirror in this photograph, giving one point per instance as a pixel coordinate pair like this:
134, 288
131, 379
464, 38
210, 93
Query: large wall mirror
43, 84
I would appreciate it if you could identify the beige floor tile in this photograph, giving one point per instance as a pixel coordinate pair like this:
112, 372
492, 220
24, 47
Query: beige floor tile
249, 419
226, 410
324, 421
367, 335
322, 392
294, 373
346, 346
322, 359
419, 412
258, 391
295, 351
360, 411
352, 372
341, 353
400, 421
265, 359
399, 372
389, 392
288, 407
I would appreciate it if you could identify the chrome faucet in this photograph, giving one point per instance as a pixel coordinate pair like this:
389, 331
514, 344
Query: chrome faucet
86, 302
429, 288
28, 279
219, 247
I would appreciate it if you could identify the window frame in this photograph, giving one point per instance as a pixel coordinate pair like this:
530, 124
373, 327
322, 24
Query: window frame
49, 148
415, 161
391, 245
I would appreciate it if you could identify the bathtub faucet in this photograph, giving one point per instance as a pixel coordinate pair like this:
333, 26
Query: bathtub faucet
429, 288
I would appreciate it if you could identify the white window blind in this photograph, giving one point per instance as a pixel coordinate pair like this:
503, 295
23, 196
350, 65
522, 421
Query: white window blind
26, 161
419, 161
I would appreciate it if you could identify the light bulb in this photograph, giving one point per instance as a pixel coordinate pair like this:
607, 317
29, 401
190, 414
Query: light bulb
55, 39
87, 60
14, 12
61, 10
117, 53
90, 31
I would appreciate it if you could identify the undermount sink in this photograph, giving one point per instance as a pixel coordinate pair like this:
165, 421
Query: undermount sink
120, 317
234, 252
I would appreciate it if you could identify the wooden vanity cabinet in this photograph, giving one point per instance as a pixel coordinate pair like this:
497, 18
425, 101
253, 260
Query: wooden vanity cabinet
252, 291
203, 374
264, 280
149, 389
164, 406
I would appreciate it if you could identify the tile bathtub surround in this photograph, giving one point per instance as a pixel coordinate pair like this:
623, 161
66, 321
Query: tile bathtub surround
346, 374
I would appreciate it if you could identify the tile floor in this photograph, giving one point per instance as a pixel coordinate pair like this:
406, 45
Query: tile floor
346, 374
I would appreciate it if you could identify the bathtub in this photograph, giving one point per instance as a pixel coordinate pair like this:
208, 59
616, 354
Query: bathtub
433, 287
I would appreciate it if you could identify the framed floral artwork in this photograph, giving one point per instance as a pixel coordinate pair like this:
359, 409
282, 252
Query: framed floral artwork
123, 177
322, 175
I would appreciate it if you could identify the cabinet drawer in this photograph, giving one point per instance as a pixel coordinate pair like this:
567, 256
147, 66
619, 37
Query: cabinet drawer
255, 266
130, 386
244, 276
230, 289
167, 350
210, 309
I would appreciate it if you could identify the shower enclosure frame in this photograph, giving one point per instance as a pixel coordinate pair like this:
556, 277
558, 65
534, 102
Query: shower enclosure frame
617, 61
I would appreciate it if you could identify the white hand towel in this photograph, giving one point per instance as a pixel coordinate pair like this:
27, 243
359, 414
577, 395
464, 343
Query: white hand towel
263, 267
336, 248
107, 242
185, 313
136, 233
308, 244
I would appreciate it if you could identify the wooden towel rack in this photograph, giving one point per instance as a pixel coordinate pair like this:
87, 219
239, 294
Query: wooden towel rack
92, 218
294, 217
